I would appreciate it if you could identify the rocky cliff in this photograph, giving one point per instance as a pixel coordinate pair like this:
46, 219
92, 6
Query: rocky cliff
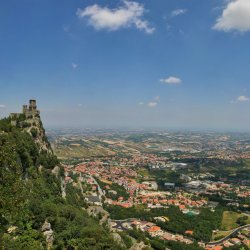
30, 121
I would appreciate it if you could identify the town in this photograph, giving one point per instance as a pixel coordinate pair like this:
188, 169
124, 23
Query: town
143, 180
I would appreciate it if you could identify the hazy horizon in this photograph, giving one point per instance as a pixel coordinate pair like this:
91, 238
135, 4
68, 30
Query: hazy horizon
174, 64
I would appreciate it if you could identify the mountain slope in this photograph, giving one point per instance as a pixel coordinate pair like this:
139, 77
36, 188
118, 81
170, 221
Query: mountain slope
33, 213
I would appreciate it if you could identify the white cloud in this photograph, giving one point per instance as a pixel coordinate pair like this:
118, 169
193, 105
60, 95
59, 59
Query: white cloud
171, 80
141, 103
2, 106
129, 14
235, 16
178, 12
243, 98
152, 104
74, 65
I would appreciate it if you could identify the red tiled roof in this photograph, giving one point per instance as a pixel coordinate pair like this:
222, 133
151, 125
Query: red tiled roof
154, 229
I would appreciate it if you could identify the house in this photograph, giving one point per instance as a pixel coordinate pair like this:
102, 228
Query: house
68, 179
214, 248
168, 236
182, 207
189, 232
246, 242
169, 186
235, 241
155, 231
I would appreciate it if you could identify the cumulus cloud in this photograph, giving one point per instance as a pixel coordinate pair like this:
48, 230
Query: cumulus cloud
243, 98
171, 80
129, 14
2, 106
152, 104
178, 12
235, 16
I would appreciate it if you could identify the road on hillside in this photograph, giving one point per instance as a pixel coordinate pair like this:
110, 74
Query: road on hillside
119, 223
234, 232
101, 192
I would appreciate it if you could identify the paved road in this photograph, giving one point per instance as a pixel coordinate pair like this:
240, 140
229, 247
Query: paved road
119, 223
235, 231
101, 192
129, 219
120, 226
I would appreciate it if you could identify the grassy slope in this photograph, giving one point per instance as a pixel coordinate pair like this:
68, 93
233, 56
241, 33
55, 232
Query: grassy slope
229, 220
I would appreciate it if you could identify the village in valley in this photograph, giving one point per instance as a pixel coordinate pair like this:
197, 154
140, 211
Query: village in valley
163, 184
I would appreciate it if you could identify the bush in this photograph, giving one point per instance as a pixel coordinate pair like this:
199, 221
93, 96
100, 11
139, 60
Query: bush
34, 132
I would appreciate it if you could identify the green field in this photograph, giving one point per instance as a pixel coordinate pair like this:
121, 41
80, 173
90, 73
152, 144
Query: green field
220, 234
229, 220
66, 152
247, 163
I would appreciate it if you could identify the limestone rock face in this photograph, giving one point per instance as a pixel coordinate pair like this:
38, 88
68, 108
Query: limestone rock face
46, 226
56, 171
12, 229
30, 121
140, 246
117, 238
37, 131
63, 188
96, 211
48, 233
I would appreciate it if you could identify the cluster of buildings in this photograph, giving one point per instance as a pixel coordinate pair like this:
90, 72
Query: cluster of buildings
159, 199
152, 229
122, 176
139, 193
147, 193
143, 190
233, 193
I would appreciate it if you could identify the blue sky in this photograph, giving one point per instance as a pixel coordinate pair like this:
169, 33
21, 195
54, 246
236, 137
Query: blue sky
163, 63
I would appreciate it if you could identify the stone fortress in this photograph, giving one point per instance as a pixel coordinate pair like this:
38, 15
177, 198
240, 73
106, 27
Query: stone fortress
29, 120
30, 112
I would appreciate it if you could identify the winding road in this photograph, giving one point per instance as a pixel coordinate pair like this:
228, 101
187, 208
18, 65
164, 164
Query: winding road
101, 192
234, 232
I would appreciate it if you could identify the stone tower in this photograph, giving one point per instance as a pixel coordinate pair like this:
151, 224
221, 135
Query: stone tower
31, 110
32, 106
25, 109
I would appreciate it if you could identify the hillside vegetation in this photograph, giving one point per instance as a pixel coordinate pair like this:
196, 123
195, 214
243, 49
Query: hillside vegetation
31, 201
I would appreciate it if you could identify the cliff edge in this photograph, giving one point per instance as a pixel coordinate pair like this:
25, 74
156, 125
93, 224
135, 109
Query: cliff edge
30, 121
